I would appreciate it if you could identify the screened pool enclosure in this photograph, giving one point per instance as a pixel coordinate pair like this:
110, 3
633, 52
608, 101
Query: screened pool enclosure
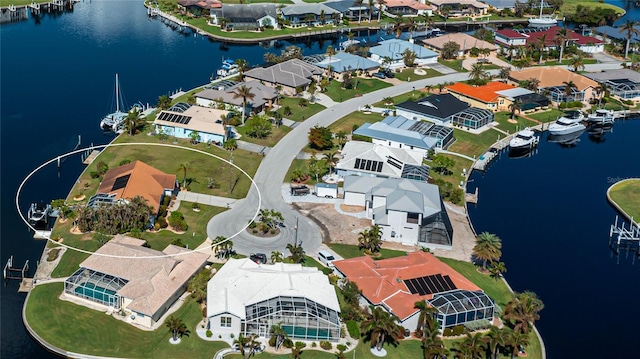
95, 286
301, 318
462, 306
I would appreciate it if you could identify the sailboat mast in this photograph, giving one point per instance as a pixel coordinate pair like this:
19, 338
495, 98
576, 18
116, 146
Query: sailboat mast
541, 8
117, 95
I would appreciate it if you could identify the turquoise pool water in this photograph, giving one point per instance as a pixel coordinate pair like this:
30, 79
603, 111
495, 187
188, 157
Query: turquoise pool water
307, 333
98, 294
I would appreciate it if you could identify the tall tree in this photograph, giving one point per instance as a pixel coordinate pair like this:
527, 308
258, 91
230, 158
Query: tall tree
576, 62
358, 3
478, 75
516, 340
379, 327
164, 102
474, 344
560, 38
331, 158
488, 248
381, 4
176, 327
569, 87
426, 321
245, 93
279, 334
541, 44
630, 30
371, 4
184, 166
342, 138
330, 52
132, 121
243, 65
523, 310
297, 253
514, 107
496, 338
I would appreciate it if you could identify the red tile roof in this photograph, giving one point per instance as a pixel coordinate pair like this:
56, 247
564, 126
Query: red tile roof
382, 282
551, 33
486, 93
511, 34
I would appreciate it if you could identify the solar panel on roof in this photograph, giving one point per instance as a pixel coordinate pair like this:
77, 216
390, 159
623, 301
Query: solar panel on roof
120, 182
175, 118
379, 168
357, 165
429, 284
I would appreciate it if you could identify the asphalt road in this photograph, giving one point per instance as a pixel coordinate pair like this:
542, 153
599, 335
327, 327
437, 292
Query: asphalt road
274, 166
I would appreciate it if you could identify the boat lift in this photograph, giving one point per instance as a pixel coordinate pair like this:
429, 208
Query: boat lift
625, 239
9, 272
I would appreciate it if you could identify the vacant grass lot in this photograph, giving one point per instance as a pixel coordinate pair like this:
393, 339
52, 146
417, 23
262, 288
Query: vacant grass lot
502, 118
276, 135
456, 176
360, 86
350, 251
354, 120
453, 64
474, 145
298, 113
76, 328
627, 196
409, 75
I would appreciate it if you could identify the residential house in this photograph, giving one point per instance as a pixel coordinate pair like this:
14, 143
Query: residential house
246, 298
407, 211
466, 42
360, 158
401, 132
529, 100
458, 8
309, 15
509, 37
623, 83
501, 4
396, 284
554, 80
445, 108
132, 180
343, 62
288, 75
246, 16
183, 120
485, 96
408, 8
198, 7
614, 33
393, 50
124, 275
348, 9
264, 97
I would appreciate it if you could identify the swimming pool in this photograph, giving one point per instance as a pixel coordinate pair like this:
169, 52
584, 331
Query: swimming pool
307, 333
97, 294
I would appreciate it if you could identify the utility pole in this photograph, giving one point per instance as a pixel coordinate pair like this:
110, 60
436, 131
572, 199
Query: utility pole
296, 237
230, 172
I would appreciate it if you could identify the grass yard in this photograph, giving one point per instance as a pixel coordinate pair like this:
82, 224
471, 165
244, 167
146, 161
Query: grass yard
298, 113
569, 6
276, 135
502, 118
474, 145
82, 330
361, 86
627, 196
564, 62
354, 120
411, 95
456, 176
409, 75
453, 64
351, 251
496, 289
546, 116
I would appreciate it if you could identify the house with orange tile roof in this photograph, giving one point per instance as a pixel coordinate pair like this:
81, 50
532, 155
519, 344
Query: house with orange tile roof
485, 96
554, 80
135, 179
396, 284
124, 275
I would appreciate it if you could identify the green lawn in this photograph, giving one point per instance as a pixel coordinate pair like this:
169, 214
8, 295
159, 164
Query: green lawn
456, 176
411, 95
361, 86
474, 145
454, 64
565, 62
276, 135
409, 75
354, 120
351, 251
76, 328
546, 116
496, 289
201, 23
502, 118
298, 113
569, 6
627, 196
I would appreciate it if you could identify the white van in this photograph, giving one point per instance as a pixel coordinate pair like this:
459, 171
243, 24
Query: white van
326, 258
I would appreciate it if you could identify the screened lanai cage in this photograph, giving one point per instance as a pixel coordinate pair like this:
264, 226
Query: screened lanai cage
95, 286
462, 306
472, 118
301, 318
436, 229
625, 89
559, 94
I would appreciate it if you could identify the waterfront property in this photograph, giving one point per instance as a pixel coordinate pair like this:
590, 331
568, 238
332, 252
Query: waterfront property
394, 49
623, 83
614, 33
119, 278
459, 8
529, 100
343, 62
264, 96
299, 15
466, 42
511, 37
443, 109
197, 7
396, 284
245, 16
408, 8
183, 121
352, 11
248, 298
401, 132
408, 211
374, 160
135, 179
554, 80
289, 75
485, 96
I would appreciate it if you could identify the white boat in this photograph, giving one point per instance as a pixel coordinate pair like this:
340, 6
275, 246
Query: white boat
524, 139
38, 212
564, 126
542, 21
113, 120
228, 68
573, 116
566, 140
601, 117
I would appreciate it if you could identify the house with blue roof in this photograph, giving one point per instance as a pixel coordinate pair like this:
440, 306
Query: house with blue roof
394, 48
345, 62
401, 132
614, 33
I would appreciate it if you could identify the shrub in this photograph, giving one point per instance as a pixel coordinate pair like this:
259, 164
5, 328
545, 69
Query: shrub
166, 200
124, 162
288, 343
209, 334
102, 167
477, 325
458, 329
135, 233
161, 222
326, 345
94, 174
195, 206
178, 242
353, 328
272, 342
176, 220
418, 333
341, 347
313, 344
447, 332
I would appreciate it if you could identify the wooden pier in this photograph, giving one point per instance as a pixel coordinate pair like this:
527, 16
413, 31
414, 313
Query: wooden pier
90, 157
483, 161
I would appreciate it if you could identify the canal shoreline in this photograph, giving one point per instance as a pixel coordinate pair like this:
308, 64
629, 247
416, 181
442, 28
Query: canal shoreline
616, 205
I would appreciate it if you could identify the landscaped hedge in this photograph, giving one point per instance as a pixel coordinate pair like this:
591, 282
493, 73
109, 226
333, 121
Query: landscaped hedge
353, 329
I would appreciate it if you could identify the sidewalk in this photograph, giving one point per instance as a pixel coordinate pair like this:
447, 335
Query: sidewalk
204, 199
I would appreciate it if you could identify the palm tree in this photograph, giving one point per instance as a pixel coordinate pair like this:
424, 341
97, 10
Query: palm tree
371, 4
533, 84
244, 92
577, 62
164, 102
478, 73
515, 340
242, 66
488, 248
132, 121
330, 52
561, 39
433, 346
523, 310
276, 256
279, 333
380, 3
599, 92
630, 28
514, 107
176, 327
496, 270
569, 86
331, 158
184, 166
241, 342
230, 144
474, 345
398, 21
496, 338
342, 138
296, 350
386, 62
540, 44
297, 253
358, 3
379, 327
426, 322
370, 239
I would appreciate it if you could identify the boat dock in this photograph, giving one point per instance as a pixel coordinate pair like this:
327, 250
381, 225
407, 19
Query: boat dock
10, 272
92, 156
623, 239
483, 161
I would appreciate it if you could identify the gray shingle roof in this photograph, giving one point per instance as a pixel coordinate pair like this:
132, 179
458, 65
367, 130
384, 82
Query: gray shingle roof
252, 11
394, 48
301, 9
617, 74
389, 131
290, 73
262, 94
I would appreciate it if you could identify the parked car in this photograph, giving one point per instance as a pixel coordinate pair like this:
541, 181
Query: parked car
259, 258
379, 75
389, 74
326, 258
299, 190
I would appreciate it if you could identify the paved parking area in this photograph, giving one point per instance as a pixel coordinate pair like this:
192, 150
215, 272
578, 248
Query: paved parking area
308, 198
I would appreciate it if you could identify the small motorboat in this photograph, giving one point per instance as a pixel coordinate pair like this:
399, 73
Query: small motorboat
601, 117
565, 126
38, 212
524, 139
